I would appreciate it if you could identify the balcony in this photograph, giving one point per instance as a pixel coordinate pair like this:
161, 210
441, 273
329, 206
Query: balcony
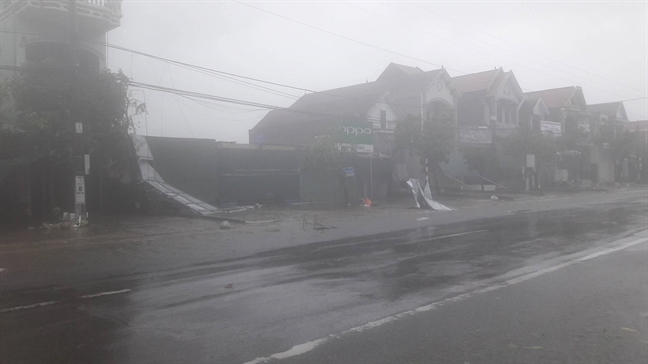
93, 16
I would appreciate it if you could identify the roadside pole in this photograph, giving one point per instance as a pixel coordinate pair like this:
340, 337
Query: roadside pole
78, 158
371, 176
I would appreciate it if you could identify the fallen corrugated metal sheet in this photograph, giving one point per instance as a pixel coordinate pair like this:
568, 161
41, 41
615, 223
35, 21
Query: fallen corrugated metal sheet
153, 179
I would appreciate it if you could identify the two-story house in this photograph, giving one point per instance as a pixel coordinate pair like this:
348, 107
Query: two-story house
398, 92
566, 106
487, 112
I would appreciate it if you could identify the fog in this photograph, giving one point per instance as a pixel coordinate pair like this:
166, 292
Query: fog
601, 47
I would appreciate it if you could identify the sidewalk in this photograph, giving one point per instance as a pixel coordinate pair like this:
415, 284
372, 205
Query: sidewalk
272, 219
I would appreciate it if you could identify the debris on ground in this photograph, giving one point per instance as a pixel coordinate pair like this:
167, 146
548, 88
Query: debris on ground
229, 286
494, 198
316, 224
225, 225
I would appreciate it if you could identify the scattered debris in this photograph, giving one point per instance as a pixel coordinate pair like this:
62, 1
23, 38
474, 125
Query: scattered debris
229, 286
494, 198
274, 230
422, 218
225, 225
629, 329
257, 206
316, 224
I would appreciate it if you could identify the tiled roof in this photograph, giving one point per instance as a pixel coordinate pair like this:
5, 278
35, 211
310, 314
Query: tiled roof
553, 98
350, 101
475, 81
608, 108
395, 70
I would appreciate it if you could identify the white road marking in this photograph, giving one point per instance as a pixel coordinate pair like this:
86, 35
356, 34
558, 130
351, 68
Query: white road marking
29, 306
48, 303
308, 346
106, 293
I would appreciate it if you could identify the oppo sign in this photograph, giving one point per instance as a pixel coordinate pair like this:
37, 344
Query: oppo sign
359, 133
355, 130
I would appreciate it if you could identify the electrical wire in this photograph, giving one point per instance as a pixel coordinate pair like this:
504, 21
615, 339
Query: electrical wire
519, 46
479, 50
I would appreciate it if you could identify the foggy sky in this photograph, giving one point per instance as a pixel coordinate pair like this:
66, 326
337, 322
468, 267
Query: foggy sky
606, 39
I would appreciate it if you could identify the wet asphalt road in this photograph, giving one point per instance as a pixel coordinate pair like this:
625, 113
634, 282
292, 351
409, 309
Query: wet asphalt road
104, 304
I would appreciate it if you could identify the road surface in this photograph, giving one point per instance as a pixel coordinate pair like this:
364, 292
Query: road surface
560, 281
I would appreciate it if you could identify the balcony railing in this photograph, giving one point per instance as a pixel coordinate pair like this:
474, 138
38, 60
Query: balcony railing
112, 5
107, 10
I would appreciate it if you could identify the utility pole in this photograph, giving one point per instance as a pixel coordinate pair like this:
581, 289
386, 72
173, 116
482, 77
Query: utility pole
77, 147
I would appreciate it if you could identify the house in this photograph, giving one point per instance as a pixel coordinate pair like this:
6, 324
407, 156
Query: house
489, 98
487, 112
566, 106
398, 92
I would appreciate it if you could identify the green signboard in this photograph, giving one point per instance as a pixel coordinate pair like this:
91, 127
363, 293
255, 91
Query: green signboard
359, 134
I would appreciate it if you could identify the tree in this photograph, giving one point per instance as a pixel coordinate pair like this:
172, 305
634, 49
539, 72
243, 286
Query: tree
36, 123
529, 141
42, 103
432, 140
326, 153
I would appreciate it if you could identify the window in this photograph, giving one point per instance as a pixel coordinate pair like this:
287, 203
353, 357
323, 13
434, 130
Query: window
383, 119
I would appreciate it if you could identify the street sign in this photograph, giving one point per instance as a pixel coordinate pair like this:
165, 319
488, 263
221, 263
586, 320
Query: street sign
348, 171
550, 127
358, 134
79, 190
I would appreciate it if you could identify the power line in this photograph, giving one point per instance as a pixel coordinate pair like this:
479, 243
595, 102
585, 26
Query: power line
479, 50
345, 37
178, 101
194, 94
210, 71
519, 46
